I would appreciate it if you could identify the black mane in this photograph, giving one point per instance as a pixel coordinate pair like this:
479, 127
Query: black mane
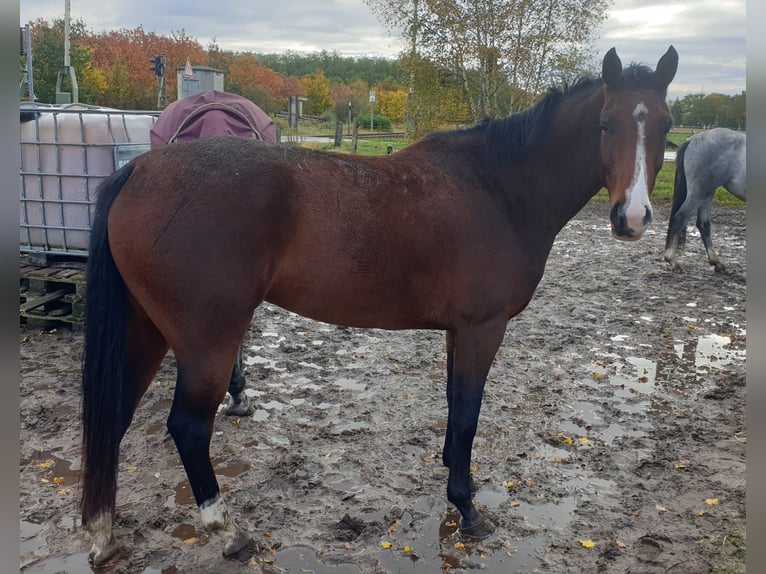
510, 138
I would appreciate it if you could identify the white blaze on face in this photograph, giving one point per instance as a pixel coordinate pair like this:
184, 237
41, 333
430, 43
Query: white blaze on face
637, 195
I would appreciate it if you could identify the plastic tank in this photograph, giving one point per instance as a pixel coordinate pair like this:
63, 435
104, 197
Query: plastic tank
65, 154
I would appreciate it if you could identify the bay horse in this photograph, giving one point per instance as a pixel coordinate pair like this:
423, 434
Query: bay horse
704, 162
450, 233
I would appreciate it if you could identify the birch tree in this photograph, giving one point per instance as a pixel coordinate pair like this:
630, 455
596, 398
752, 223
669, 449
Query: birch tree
500, 54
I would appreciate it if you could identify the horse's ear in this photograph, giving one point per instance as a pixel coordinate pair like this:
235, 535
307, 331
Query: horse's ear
667, 66
611, 69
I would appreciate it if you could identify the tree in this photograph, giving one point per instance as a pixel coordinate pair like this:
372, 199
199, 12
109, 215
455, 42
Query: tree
501, 53
316, 89
48, 57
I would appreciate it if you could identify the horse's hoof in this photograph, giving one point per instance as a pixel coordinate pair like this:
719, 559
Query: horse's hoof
240, 408
479, 531
236, 542
100, 556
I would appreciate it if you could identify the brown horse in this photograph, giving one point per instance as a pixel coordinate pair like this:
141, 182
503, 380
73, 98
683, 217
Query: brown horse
450, 233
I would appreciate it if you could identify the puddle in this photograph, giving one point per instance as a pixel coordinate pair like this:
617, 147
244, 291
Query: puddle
76, 563
350, 385
183, 496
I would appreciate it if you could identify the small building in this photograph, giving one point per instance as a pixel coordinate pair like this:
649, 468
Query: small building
201, 79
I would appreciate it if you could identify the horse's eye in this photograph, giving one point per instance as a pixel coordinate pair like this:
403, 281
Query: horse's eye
603, 126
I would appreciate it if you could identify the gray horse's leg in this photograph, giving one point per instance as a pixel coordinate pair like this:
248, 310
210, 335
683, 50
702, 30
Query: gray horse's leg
240, 403
703, 224
676, 236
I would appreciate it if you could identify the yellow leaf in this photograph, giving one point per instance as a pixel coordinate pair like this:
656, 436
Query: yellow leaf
584, 440
190, 540
587, 543
711, 501
597, 376
459, 545
509, 485
621, 544
514, 504
407, 549
681, 466
701, 513
556, 458
59, 480
132, 468
692, 327
386, 544
45, 464
565, 439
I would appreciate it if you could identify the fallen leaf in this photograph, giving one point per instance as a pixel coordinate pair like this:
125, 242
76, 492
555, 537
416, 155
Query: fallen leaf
509, 485
701, 513
407, 549
584, 440
711, 501
385, 544
59, 480
46, 464
661, 508
587, 543
621, 544
514, 504
190, 540
565, 439
597, 376
459, 545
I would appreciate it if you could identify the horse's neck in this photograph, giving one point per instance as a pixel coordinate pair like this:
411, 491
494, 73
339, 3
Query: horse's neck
569, 153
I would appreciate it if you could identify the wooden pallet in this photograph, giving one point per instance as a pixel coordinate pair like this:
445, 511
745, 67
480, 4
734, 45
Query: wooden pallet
52, 295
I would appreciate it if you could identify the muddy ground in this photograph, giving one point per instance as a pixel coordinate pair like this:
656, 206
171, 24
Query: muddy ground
614, 414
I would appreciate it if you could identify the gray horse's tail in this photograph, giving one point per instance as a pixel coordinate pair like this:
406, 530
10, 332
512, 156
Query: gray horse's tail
679, 189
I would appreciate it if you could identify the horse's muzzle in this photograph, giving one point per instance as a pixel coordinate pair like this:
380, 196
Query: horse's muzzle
629, 227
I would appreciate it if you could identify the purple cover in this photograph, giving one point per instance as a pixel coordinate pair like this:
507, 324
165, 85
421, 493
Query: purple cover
210, 114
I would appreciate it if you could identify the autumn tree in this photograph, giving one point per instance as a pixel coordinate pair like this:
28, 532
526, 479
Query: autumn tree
501, 53
316, 89
48, 57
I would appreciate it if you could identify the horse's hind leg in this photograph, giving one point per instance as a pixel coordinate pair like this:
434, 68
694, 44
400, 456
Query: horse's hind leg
203, 377
240, 403
703, 224
145, 350
676, 236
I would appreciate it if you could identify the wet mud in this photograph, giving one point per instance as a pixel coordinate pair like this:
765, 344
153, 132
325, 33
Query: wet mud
611, 439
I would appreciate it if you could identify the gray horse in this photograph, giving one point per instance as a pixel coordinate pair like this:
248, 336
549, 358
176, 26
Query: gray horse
704, 162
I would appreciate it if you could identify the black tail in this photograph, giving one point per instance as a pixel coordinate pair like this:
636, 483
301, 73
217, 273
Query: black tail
679, 190
103, 361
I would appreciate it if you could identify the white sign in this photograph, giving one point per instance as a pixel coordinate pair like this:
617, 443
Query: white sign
188, 72
372, 96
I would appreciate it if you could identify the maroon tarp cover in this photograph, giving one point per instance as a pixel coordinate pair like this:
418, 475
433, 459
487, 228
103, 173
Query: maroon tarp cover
210, 114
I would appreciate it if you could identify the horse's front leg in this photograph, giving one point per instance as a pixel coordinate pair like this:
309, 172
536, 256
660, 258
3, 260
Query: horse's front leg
448, 436
240, 403
474, 349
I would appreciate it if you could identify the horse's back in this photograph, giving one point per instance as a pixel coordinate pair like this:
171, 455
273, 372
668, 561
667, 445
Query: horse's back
716, 158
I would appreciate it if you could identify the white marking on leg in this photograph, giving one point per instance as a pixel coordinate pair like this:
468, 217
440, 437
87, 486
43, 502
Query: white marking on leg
637, 195
214, 514
104, 543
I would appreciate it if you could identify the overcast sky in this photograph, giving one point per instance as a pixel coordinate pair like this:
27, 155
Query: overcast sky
708, 34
